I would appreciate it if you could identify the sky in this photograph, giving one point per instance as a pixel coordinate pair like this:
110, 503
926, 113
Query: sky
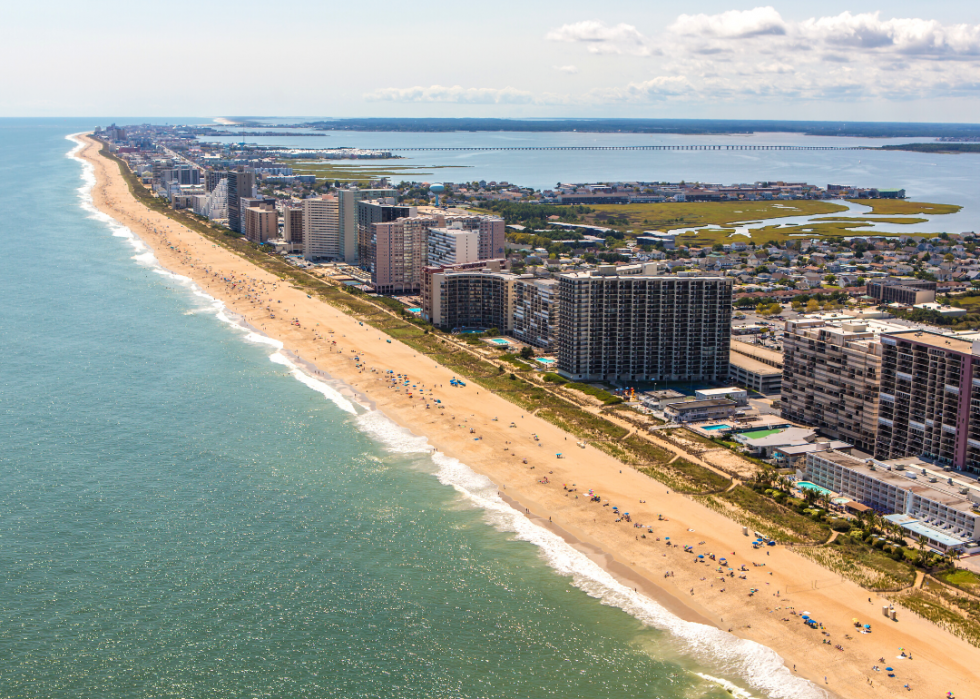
715, 59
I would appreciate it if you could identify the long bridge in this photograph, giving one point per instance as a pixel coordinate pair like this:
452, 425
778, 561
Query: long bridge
714, 148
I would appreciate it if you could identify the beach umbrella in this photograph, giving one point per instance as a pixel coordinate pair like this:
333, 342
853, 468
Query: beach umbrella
867, 626
888, 669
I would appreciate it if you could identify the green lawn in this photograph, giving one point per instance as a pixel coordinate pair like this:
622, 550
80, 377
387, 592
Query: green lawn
965, 579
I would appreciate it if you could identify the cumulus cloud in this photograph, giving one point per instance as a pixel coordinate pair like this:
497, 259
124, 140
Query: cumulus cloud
571, 70
734, 24
659, 88
732, 54
455, 94
905, 36
601, 38
865, 31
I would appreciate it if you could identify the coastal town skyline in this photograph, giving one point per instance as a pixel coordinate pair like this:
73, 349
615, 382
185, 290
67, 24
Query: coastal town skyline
368, 398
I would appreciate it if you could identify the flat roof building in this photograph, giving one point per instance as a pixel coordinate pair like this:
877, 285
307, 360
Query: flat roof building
699, 410
643, 328
376, 211
478, 299
930, 398
261, 224
739, 395
452, 246
946, 504
536, 311
754, 375
904, 290
831, 377
321, 229
396, 254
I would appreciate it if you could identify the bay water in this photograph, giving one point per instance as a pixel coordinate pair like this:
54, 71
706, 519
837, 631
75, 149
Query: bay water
930, 177
181, 517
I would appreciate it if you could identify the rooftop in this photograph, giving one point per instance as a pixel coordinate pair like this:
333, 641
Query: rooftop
701, 404
945, 342
753, 365
919, 527
757, 351
907, 474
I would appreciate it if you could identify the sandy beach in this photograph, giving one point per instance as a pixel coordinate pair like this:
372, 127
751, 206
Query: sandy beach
474, 426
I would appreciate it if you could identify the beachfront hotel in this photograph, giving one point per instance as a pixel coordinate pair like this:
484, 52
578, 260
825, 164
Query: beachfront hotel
452, 246
429, 271
831, 376
930, 398
472, 299
626, 324
396, 254
241, 183
371, 211
491, 233
927, 502
348, 212
321, 229
536, 311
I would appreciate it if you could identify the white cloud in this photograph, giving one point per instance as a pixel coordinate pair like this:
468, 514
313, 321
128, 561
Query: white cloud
734, 24
571, 70
906, 36
454, 94
656, 89
730, 55
600, 38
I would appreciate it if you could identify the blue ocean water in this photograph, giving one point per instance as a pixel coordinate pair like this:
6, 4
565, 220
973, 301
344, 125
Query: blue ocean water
181, 517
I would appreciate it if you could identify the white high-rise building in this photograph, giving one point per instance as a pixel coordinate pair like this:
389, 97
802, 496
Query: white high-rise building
452, 246
347, 212
322, 237
216, 203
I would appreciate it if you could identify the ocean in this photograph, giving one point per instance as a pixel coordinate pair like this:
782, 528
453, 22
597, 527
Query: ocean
184, 514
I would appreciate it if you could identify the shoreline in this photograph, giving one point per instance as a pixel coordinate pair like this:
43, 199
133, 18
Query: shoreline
184, 252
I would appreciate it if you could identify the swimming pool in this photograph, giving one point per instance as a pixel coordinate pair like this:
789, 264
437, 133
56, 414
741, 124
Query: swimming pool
807, 485
415, 310
716, 427
499, 341
545, 360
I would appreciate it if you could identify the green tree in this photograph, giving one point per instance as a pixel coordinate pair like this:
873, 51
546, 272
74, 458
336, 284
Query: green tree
812, 306
830, 279
527, 352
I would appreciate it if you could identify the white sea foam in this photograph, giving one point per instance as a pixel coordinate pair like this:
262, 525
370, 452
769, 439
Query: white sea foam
328, 391
209, 304
118, 230
760, 667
